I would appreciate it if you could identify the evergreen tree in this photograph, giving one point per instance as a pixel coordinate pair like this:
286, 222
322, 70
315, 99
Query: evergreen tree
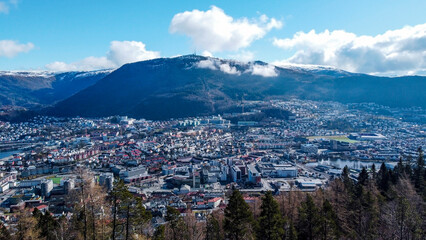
329, 226
363, 177
176, 223
373, 172
419, 173
238, 218
347, 180
213, 228
383, 179
309, 219
140, 217
46, 224
270, 220
291, 233
120, 198
159, 233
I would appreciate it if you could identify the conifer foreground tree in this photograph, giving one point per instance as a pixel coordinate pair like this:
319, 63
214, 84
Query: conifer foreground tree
270, 220
213, 228
238, 218
309, 219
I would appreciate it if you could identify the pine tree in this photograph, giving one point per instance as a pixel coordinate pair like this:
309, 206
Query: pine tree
329, 226
238, 218
373, 172
159, 233
383, 179
213, 228
176, 223
419, 173
270, 220
140, 217
347, 180
363, 177
309, 219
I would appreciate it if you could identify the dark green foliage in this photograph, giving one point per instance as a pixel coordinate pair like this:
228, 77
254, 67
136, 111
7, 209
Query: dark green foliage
46, 224
383, 178
270, 219
176, 223
309, 224
213, 231
419, 173
159, 233
238, 218
329, 225
363, 177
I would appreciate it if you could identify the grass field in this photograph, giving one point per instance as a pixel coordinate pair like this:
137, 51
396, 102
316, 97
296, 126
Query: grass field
337, 138
56, 180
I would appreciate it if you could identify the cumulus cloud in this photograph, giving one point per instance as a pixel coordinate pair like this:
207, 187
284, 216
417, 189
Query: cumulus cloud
10, 48
5, 5
401, 51
209, 63
214, 31
252, 68
4, 8
226, 68
120, 52
263, 70
244, 56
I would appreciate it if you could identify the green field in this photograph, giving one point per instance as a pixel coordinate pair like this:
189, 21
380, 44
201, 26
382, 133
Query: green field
56, 180
337, 138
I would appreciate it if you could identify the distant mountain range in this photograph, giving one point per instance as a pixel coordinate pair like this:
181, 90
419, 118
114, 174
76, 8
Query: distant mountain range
195, 85
40, 89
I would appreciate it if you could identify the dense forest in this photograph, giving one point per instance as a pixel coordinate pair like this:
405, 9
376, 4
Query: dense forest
383, 204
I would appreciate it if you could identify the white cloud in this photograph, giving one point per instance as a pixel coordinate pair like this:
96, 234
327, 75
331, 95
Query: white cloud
400, 51
244, 56
129, 51
5, 5
206, 53
10, 48
214, 31
209, 63
4, 8
119, 53
263, 70
252, 68
226, 68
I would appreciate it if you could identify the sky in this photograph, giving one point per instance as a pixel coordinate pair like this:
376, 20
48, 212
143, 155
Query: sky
381, 37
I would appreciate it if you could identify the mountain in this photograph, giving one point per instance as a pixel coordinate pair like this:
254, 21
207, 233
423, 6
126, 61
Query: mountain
40, 89
195, 85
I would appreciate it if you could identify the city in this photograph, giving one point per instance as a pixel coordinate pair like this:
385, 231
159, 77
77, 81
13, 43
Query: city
192, 163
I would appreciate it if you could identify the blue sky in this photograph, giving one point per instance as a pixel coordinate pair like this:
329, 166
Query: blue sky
78, 35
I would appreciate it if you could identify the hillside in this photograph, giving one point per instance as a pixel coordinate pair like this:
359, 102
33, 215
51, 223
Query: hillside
38, 89
193, 85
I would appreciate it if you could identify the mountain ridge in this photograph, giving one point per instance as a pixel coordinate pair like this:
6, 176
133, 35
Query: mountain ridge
193, 85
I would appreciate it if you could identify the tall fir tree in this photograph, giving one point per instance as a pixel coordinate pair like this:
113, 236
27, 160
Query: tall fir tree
213, 231
329, 226
270, 219
238, 218
309, 220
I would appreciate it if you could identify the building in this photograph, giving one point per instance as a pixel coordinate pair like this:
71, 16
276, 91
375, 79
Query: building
46, 187
309, 148
236, 173
134, 174
253, 174
106, 180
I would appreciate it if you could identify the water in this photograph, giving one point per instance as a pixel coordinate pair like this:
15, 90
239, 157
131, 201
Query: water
351, 164
7, 154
